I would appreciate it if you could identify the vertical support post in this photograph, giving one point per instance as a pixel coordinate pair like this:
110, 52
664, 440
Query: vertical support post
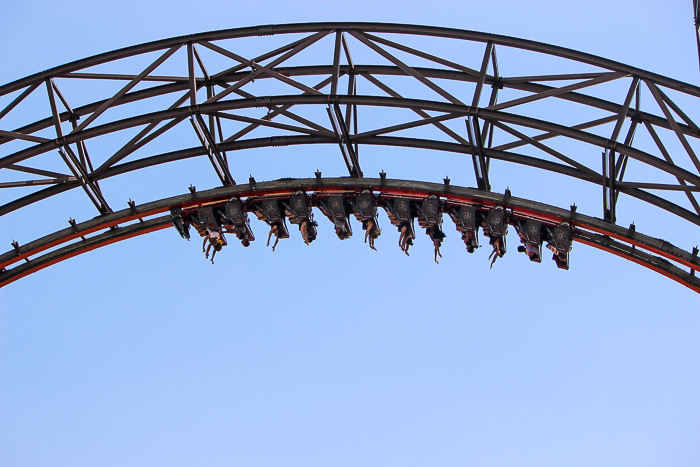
478, 157
482, 74
609, 185
343, 136
354, 117
336, 62
696, 13
190, 71
352, 78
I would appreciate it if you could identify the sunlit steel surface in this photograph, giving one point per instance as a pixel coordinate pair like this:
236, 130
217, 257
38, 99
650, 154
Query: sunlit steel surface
479, 113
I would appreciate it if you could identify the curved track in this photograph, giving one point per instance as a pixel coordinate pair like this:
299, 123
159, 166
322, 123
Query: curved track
353, 86
654, 254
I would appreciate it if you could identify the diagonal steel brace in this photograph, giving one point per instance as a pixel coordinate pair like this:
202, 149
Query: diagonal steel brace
343, 136
481, 169
81, 175
209, 143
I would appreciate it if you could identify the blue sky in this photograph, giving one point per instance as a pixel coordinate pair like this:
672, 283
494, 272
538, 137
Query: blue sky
143, 353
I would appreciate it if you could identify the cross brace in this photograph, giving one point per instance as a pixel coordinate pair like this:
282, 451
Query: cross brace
481, 169
209, 143
343, 136
81, 175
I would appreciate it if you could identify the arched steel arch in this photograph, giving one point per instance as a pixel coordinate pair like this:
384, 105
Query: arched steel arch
478, 112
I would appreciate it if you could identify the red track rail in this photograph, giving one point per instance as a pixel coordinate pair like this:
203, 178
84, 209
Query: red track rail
129, 223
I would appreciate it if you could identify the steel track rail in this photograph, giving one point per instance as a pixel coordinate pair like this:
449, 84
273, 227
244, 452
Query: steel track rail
376, 101
227, 99
407, 29
376, 140
655, 254
380, 70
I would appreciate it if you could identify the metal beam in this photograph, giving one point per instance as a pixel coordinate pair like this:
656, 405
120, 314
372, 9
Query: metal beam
45, 181
258, 69
274, 111
618, 240
271, 124
375, 140
209, 143
668, 158
625, 108
608, 184
420, 112
191, 76
82, 149
487, 133
31, 170
343, 136
336, 62
15, 135
19, 99
545, 148
476, 145
81, 175
696, 17
482, 74
405, 126
133, 145
420, 54
126, 88
550, 135
409, 70
557, 91
442, 74
301, 46
657, 95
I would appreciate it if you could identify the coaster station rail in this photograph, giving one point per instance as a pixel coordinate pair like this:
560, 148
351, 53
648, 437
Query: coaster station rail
477, 112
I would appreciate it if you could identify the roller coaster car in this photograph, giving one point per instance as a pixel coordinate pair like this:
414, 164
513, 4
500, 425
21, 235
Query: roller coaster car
182, 227
234, 212
399, 211
467, 221
364, 208
401, 215
268, 210
560, 238
429, 212
300, 213
335, 210
235, 219
189, 217
530, 233
430, 218
207, 217
298, 208
495, 228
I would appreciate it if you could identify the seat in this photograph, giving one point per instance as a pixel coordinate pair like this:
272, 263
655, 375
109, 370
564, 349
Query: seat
560, 238
467, 220
530, 233
334, 208
236, 221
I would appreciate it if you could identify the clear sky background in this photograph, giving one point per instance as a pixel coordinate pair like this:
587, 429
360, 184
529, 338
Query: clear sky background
144, 354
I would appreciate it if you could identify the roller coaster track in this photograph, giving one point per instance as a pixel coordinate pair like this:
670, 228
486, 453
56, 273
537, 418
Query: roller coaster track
654, 254
372, 88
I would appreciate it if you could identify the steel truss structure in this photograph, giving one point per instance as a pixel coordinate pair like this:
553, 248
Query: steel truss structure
475, 111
